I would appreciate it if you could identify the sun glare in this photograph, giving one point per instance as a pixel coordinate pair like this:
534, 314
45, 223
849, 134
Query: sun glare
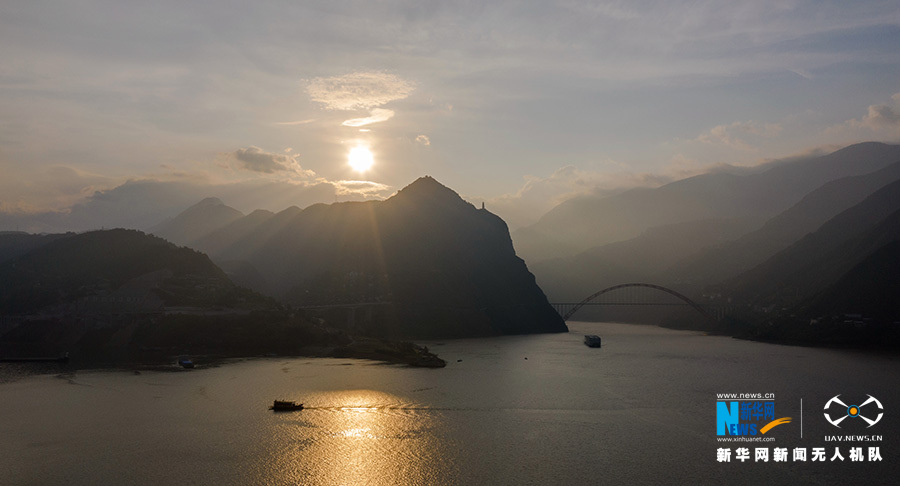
360, 158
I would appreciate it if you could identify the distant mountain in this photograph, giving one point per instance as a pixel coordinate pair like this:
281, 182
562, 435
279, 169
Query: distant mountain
730, 259
97, 268
820, 258
196, 221
587, 221
435, 265
143, 203
640, 259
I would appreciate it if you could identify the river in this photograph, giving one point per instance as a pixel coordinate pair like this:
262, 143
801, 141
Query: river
541, 409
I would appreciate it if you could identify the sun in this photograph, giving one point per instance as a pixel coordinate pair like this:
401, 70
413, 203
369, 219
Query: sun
360, 158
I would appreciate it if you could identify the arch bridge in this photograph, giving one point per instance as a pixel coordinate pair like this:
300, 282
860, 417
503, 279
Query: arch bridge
632, 294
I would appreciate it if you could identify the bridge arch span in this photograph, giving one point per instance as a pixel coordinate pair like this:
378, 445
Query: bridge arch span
667, 290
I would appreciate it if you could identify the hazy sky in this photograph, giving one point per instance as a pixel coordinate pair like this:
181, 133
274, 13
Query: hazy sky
518, 103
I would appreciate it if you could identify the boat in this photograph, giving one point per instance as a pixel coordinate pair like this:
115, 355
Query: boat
592, 340
285, 406
186, 363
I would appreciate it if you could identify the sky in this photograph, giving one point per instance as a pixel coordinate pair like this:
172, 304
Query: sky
517, 104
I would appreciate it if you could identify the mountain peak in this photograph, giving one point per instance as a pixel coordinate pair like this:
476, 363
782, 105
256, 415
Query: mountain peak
427, 188
425, 179
210, 207
197, 221
209, 201
427, 183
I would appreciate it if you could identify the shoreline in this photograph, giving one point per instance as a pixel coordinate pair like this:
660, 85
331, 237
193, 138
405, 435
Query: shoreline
375, 351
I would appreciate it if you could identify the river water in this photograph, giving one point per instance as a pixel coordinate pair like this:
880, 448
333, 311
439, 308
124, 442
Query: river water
541, 409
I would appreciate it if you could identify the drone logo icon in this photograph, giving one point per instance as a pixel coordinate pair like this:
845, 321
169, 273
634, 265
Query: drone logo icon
852, 411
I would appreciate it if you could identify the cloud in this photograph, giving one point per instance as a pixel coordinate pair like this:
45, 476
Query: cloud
882, 120
608, 10
423, 140
882, 116
133, 204
377, 115
30, 190
802, 73
258, 160
298, 122
368, 189
733, 135
359, 90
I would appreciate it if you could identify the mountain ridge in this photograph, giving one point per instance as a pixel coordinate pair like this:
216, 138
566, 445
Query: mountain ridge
197, 221
821, 257
731, 258
427, 255
585, 221
102, 262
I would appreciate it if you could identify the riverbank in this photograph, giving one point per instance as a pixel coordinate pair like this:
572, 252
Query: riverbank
159, 343
399, 353
881, 337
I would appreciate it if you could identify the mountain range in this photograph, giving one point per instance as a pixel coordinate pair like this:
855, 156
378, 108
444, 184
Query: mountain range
788, 239
744, 236
589, 221
721, 261
198, 220
794, 262
85, 273
125, 297
427, 262
423, 263
819, 259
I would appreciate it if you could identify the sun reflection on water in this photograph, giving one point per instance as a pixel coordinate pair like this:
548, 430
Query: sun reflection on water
355, 437
359, 409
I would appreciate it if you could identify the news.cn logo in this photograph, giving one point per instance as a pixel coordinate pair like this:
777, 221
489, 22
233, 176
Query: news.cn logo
843, 411
746, 417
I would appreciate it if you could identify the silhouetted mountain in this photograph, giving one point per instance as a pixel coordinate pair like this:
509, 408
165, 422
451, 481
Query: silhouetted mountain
197, 221
17, 243
121, 296
853, 301
588, 221
91, 270
730, 259
217, 241
436, 265
244, 274
870, 289
640, 259
819, 259
247, 236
